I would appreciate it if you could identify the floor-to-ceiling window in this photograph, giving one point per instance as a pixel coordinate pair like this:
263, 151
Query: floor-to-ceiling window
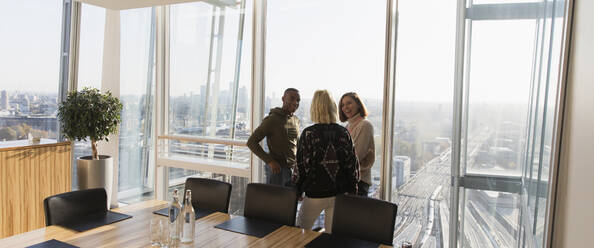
511, 61
333, 45
499, 62
90, 57
338, 46
137, 55
135, 50
209, 93
507, 65
29, 69
421, 163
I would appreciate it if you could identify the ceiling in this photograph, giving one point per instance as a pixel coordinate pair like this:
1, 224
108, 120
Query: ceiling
131, 4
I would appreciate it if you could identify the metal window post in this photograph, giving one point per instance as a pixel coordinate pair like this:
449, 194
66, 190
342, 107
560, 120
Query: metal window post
555, 159
161, 97
147, 126
457, 121
258, 78
236, 74
68, 51
389, 101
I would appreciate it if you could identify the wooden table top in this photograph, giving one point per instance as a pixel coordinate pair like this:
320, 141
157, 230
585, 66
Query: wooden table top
134, 232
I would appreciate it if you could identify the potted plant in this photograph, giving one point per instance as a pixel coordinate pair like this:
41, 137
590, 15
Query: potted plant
90, 114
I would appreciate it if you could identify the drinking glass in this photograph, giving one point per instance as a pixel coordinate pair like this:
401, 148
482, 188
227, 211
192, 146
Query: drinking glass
165, 239
155, 232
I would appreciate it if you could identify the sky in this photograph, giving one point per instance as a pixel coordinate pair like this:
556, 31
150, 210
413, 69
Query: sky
334, 44
30, 45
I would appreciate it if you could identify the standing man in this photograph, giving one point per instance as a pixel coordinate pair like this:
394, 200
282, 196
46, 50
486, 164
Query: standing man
281, 129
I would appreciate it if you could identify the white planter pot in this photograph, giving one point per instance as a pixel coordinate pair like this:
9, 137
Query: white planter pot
95, 173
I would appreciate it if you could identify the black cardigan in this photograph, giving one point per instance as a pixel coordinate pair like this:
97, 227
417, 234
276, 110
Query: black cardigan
327, 164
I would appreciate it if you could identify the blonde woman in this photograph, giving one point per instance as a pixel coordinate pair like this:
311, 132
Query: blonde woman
326, 163
354, 112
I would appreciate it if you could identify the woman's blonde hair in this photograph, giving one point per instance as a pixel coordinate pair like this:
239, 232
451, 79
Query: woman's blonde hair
323, 108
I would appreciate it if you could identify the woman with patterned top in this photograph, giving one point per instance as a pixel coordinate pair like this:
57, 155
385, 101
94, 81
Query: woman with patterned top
353, 111
326, 163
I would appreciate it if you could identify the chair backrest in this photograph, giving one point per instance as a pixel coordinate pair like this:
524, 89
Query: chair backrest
69, 206
208, 194
271, 203
364, 218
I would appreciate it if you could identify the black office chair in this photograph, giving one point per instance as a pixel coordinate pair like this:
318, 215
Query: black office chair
70, 206
208, 194
364, 218
271, 203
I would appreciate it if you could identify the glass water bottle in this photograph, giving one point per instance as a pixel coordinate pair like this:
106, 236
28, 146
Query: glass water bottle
189, 219
175, 219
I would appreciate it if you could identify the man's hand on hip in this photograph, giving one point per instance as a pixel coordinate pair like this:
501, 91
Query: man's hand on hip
274, 167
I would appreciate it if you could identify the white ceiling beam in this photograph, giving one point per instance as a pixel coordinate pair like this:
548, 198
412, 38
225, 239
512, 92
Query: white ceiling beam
132, 4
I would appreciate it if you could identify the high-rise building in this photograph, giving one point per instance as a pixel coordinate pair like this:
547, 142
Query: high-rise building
401, 171
3, 100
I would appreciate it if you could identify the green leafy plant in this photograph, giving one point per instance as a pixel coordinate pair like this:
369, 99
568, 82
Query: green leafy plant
90, 114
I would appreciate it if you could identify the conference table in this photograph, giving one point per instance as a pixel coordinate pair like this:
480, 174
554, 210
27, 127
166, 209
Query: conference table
134, 232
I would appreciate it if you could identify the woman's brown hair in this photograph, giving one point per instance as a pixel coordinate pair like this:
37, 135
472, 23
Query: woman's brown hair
362, 109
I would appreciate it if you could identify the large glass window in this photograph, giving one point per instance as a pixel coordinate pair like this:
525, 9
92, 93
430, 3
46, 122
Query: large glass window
510, 62
137, 55
90, 57
512, 57
335, 45
499, 58
136, 47
500, 67
421, 164
210, 70
209, 91
30, 67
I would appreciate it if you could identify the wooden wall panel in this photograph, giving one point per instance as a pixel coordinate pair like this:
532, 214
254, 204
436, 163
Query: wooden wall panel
29, 174
2, 192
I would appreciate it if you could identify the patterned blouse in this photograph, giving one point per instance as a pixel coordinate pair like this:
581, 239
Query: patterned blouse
326, 162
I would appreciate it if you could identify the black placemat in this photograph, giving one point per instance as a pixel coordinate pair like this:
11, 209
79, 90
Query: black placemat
52, 243
199, 212
327, 240
252, 227
95, 220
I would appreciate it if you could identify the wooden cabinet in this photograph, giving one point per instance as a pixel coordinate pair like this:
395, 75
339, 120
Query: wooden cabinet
29, 174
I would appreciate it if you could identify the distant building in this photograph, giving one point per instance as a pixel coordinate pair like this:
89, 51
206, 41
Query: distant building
242, 99
401, 172
4, 100
504, 157
435, 147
